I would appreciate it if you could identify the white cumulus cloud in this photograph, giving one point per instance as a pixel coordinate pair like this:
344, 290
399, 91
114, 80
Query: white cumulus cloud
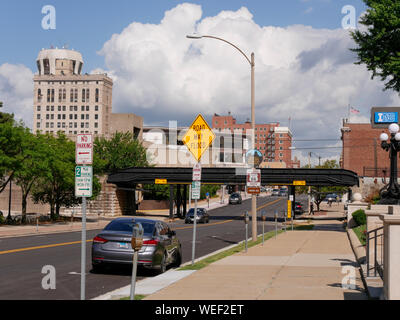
16, 91
304, 73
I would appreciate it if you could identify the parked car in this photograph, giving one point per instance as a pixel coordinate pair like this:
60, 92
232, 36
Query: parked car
298, 208
201, 214
235, 198
275, 192
112, 246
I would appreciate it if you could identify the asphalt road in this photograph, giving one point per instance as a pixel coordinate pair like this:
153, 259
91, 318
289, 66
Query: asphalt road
21, 270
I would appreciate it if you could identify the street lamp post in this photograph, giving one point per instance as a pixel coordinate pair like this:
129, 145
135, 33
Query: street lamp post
251, 61
390, 194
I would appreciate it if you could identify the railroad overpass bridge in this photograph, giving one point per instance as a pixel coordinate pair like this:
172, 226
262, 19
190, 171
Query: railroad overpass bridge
128, 179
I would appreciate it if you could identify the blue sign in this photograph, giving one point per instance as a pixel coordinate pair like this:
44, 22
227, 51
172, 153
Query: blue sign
386, 117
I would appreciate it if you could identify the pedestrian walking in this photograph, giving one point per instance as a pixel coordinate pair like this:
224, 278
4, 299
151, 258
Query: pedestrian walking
311, 208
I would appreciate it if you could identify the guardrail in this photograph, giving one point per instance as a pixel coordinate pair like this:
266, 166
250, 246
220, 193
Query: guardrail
376, 267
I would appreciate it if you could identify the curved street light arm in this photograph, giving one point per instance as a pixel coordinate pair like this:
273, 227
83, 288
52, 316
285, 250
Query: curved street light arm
212, 37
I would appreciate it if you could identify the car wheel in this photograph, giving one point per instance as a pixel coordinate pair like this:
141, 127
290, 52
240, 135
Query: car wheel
178, 261
97, 268
163, 264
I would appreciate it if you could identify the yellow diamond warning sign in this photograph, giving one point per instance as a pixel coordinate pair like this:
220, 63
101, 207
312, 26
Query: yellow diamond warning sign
199, 137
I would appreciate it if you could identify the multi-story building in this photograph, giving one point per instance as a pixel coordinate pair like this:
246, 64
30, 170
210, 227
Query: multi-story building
361, 150
272, 140
68, 101
166, 148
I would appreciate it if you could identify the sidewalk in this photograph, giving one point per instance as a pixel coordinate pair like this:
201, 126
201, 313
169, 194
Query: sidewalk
318, 264
301, 265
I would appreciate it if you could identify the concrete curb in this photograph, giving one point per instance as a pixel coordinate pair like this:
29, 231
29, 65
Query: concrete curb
373, 286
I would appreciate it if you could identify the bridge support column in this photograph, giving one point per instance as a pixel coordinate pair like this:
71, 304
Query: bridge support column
171, 201
184, 201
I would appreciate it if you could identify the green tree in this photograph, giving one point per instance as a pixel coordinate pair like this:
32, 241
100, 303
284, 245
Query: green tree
32, 167
379, 46
56, 186
120, 152
12, 134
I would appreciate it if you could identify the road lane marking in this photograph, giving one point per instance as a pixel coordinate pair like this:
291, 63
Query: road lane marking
225, 221
78, 242
42, 247
268, 204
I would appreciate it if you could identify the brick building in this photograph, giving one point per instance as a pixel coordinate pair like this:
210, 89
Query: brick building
272, 140
362, 152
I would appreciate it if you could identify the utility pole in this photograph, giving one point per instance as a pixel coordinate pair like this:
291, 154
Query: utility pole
309, 187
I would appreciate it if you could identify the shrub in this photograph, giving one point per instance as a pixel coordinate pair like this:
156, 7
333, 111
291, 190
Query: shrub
359, 217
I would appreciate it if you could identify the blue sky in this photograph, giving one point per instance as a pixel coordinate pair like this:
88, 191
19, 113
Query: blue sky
86, 25
304, 68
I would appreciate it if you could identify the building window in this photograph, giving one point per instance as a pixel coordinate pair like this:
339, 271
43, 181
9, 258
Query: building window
87, 124
75, 125
82, 125
83, 95
87, 95
52, 116
87, 108
75, 117
38, 108
82, 117
58, 124
38, 116
71, 95
96, 125
39, 95
63, 116
76, 95
96, 108
47, 124
64, 108
96, 117
97, 95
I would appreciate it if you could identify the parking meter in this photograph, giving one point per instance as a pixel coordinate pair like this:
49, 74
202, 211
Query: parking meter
137, 243
137, 236
263, 215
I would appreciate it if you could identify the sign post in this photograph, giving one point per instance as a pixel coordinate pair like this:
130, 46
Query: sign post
196, 190
197, 139
83, 188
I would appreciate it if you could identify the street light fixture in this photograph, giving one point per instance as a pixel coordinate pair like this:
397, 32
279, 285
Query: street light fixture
390, 194
251, 61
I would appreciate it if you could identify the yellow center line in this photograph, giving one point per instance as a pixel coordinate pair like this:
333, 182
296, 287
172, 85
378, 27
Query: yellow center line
42, 247
226, 221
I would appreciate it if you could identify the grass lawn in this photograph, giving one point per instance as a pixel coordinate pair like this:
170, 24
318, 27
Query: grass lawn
359, 231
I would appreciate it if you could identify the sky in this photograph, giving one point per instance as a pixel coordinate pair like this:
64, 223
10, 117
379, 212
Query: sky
304, 68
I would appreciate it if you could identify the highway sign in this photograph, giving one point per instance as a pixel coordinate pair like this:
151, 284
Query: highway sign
253, 178
83, 181
197, 172
196, 186
253, 190
84, 149
199, 137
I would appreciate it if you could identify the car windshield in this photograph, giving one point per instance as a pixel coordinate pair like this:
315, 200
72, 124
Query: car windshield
127, 225
234, 195
191, 212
